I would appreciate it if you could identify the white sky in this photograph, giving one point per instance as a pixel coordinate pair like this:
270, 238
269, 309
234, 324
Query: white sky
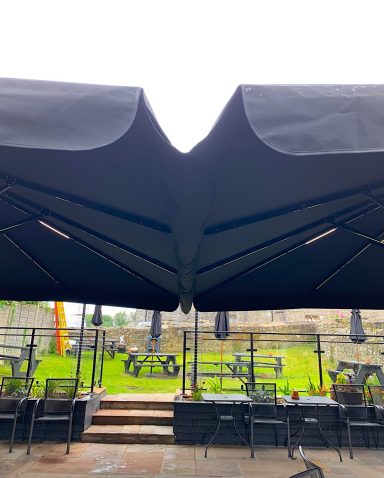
189, 56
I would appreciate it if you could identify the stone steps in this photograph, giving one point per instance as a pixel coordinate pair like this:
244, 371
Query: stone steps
133, 418
129, 434
136, 401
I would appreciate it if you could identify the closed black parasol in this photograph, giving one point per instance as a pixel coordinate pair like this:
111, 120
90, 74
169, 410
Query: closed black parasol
222, 325
97, 318
221, 333
357, 334
155, 330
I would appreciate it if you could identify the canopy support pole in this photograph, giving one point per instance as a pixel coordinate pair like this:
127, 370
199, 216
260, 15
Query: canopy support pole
195, 350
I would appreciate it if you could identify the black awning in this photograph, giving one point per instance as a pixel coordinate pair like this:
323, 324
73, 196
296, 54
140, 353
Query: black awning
296, 217
280, 206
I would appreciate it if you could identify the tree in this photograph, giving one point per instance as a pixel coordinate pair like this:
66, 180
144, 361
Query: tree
120, 319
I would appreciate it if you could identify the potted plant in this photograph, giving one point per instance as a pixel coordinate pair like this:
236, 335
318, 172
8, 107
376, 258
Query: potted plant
347, 395
316, 390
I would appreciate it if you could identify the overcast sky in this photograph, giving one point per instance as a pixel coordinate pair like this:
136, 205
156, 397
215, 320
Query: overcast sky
189, 56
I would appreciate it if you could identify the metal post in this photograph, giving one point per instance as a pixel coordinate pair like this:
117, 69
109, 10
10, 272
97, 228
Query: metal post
184, 359
195, 350
102, 359
31, 346
78, 368
252, 368
319, 352
94, 359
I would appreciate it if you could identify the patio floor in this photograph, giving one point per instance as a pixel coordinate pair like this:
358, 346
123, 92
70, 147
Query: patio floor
90, 459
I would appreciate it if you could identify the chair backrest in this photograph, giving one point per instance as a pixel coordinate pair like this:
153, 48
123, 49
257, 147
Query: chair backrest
314, 473
353, 397
153, 344
376, 397
12, 390
263, 394
310, 465
59, 394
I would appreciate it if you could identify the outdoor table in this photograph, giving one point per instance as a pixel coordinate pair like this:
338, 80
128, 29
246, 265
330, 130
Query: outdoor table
221, 398
275, 361
318, 401
138, 360
361, 370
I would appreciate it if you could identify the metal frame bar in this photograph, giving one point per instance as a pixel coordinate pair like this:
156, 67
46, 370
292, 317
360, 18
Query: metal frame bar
31, 258
22, 222
97, 235
252, 250
72, 198
346, 263
245, 221
96, 251
288, 250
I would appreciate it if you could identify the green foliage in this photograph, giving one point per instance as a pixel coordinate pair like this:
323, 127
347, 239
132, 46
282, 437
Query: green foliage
197, 391
38, 390
285, 389
342, 379
120, 319
14, 388
52, 346
214, 385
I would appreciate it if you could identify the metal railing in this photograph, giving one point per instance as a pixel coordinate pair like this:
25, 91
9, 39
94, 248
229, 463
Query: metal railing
30, 338
200, 343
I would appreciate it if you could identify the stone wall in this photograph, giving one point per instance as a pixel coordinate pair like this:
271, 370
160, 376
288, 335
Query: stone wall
25, 316
324, 321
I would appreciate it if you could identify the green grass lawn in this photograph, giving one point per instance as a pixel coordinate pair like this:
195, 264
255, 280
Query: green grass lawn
299, 362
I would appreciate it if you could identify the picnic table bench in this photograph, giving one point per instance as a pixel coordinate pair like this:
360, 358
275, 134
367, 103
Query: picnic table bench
361, 370
268, 361
138, 360
235, 370
89, 344
17, 361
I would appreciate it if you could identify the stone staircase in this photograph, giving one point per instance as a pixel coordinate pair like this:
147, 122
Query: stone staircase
133, 418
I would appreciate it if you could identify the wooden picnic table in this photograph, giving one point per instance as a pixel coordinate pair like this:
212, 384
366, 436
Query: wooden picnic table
89, 344
17, 361
138, 360
235, 370
268, 361
361, 370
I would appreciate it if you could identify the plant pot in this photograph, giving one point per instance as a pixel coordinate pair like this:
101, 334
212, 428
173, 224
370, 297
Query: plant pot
350, 398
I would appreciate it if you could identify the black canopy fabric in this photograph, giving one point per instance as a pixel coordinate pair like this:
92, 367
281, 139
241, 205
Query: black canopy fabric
97, 317
155, 330
296, 213
280, 206
222, 325
357, 334
89, 162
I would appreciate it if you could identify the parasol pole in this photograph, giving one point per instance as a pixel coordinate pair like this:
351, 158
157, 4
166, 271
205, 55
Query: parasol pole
80, 342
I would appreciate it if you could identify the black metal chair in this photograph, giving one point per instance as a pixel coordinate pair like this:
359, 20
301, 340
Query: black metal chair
353, 412
312, 471
14, 393
58, 405
263, 411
